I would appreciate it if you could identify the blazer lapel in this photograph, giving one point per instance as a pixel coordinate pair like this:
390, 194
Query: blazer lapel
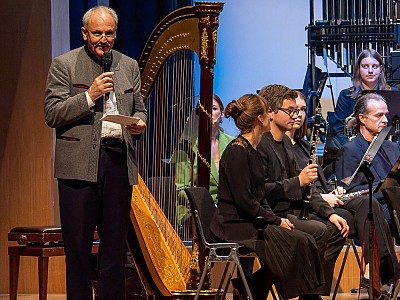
278, 155
115, 67
362, 143
287, 144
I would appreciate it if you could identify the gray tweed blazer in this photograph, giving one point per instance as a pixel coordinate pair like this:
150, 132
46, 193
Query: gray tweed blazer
78, 127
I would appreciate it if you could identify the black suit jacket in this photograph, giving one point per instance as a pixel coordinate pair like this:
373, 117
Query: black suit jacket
352, 153
283, 186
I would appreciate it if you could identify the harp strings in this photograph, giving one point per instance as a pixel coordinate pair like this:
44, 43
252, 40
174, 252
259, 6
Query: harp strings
169, 106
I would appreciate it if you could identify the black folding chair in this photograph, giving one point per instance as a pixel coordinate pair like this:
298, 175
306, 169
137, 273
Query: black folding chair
203, 209
350, 242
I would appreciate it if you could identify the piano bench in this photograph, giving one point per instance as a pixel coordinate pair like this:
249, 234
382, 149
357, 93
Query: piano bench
41, 242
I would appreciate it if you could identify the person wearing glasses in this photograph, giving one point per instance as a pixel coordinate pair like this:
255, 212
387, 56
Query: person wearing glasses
95, 161
354, 210
285, 183
242, 198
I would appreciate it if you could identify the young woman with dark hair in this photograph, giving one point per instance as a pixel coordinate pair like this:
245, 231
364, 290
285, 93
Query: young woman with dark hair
242, 198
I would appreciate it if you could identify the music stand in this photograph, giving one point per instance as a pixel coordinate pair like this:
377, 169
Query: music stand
364, 167
184, 149
313, 97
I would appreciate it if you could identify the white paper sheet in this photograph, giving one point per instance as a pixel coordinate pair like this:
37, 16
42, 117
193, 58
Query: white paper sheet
120, 119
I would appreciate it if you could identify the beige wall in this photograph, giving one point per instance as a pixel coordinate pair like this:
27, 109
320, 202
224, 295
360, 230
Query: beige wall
26, 179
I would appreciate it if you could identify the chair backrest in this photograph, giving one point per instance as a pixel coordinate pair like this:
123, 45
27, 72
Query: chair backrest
201, 201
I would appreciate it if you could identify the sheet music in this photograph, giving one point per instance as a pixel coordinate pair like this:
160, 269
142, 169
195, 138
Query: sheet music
186, 140
120, 119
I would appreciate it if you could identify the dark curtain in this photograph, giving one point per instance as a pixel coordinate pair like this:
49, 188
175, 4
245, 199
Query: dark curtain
137, 19
76, 10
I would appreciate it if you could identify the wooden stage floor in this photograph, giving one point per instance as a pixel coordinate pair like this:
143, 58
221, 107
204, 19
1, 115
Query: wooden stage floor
342, 296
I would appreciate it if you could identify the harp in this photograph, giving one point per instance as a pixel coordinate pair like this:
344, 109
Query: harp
157, 247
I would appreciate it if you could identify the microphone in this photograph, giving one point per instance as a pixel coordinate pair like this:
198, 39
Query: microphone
106, 61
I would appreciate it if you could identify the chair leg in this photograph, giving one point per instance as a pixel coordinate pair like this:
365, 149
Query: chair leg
221, 282
228, 281
207, 265
341, 269
43, 268
275, 294
396, 291
246, 285
14, 273
356, 254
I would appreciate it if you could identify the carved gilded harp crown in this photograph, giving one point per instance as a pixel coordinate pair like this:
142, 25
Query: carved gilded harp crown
180, 30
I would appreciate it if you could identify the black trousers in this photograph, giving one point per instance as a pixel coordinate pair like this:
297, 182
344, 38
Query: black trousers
359, 207
329, 242
105, 204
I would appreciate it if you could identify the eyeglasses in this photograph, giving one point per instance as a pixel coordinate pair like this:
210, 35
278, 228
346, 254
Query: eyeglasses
292, 111
96, 37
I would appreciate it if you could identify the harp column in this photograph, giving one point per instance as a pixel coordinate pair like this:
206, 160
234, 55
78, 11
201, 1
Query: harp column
208, 13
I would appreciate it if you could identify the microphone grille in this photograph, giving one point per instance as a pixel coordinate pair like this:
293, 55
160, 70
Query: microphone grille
106, 60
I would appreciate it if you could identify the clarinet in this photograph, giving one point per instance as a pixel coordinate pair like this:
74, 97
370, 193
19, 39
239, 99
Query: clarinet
305, 210
352, 195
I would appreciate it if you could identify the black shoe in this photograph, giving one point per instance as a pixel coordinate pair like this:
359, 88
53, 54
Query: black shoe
392, 288
365, 283
239, 291
259, 285
364, 286
236, 295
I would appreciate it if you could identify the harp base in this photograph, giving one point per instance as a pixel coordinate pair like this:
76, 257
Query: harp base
190, 294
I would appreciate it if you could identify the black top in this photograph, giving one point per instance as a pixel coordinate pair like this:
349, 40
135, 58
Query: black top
241, 198
278, 145
241, 182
